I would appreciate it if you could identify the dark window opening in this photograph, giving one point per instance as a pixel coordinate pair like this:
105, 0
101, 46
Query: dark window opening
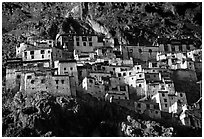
180, 48
56, 81
84, 43
90, 44
90, 38
140, 50
77, 38
32, 52
77, 43
115, 89
139, 105
90, 81
18, 76
173, 48
32, 81
150, 51
84, 38
188, 47
43, 81
165, 100
148, 106
32, 57
119, 74
42, 51
62, 81
122, 88
29, 77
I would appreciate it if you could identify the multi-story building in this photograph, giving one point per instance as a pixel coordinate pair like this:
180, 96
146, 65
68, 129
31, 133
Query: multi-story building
169, 102
83, 42
94, 87
148, 108
34, 81
66, 67
117, 90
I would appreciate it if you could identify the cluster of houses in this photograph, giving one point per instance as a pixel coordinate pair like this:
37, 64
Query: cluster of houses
135, 77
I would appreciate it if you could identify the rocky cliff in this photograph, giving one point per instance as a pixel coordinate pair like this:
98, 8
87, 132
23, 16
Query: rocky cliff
42, 114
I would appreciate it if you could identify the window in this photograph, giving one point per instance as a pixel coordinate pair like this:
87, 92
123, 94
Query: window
84, 43
114, 69
165, 100
154, 64
140, 50
32, 57
181, 95
148, 76
140, 75
90, 44
119, 74
42, 51
124, 74
163, 95
71, 68
84, 38
156, 112
48, 51
77, 38
165, 48
173, 48
32, 52
77, 43
56, 87
43, 81
29, 77
115, 89
32, 81
130, 73
90, 38
180, 48
165, 105
148, 106
100, 39
139, 105
65, 69
140, 85
150, 51
42, 56
18, 76
122, 88
25, 53
56, 81
188, 47
62, 81
90, 81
